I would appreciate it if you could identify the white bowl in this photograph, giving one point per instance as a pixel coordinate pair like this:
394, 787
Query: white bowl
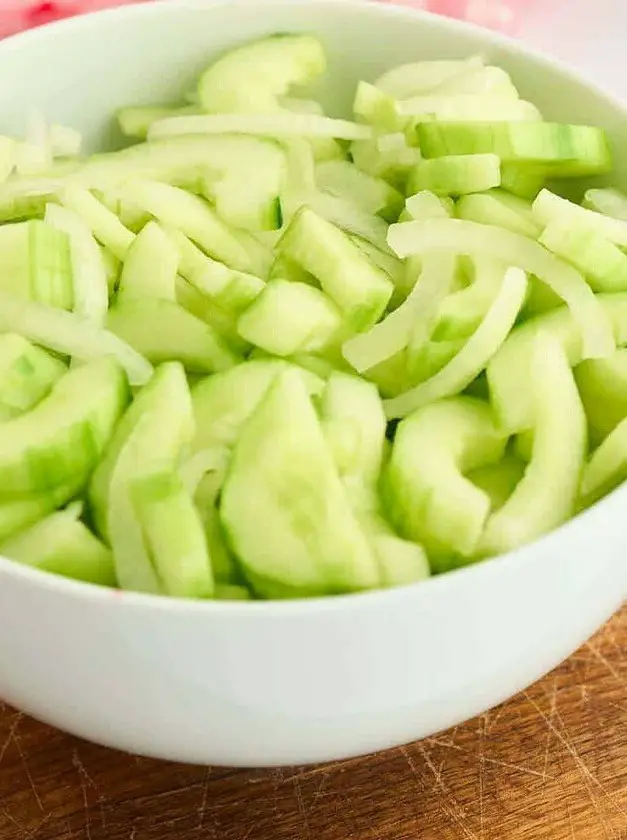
281, 683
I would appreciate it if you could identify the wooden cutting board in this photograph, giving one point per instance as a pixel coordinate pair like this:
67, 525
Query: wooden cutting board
549, 765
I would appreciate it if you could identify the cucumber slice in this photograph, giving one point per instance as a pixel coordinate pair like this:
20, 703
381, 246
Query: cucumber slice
290, 318
61, 544
427, 495
231, 592
546, 495
35, 263
352, 281
373, 195
509, 370
173, 534
104, 224
607, 467
135, 121
27, 374
522, 181
350, 218
162, 331
89, 276
499, 480
224, 402
150, 267
425, 76
563, 150
411, 323
112, 267
323, 148
456, 174
389, 157
284, 506
16, 516
204, 309
462, 311
501, 209
465, 107
150, 439
59, 442
602, 385
478, 240
603, 264
425, 204
474, 356
549, 207
251, 78
608, 202
384, 260
377, 108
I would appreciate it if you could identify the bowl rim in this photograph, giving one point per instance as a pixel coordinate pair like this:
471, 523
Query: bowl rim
66, 587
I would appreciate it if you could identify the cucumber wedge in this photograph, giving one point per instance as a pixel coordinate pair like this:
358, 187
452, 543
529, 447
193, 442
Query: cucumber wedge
607, 467
601, 262
456, 175
62, 439
284, 505
150, 267
35, 263
499, 208
27, 374
602, 385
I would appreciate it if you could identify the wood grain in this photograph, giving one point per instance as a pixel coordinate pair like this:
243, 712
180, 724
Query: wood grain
549, 765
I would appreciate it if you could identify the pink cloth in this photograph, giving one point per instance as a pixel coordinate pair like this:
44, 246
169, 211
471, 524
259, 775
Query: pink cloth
16, 15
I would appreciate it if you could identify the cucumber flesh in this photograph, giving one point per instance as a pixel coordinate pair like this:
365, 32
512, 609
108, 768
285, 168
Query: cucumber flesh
549, 207
288, 318
150, 267
60, 441
499, 208
601, 262
467, 107
63, 545
607, 467
602, 385
462, 311
163, 331
135, 121
373, 195
35, 263
231, 592
27, 374
608, 202
173, 534
499, 480
546, 495
104, 224
359, 289
283, 480
427, 495
456, 175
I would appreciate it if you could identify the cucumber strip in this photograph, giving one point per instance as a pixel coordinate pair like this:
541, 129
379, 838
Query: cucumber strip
509, 370
27, 374
350, 219
608, 202
288, 318
462, 311
104, 224
35, 263
209, 312
150, 267
61, 544
225, 567
607, 467
224, 402
70, 335
602, 263
283, 268
388, 156
467, 107
549, 207
284, 506
231, 592
478, 240
524, 182
16, 516
456, 174
499, 480
425, 204
195, 468
384, 260
501, 209
195, 218
564, 150
271, 66
323, 148
356, 285
373, 195
89, 277
425, 76
602, 385
476, 353
300, 181
174, 535
427, 494
377, 108
417, 312
153, 434
432, 358
59, 442
163, 331
546, 495
135, 121
260, 125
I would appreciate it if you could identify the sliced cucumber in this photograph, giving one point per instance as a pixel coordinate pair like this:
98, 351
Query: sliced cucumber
135, 121
270, 67
150, 267
549, 207
608, 202
35, 263
352, 281
377, 108
427, 495
456, 174
603, 263
563, 150
162, 331
174, 535
231, 592
61, 544
462, 311
372, 195
509, 371
425, 76
389, 156
602, 385
522, 181
547, 493
104, 224
607, 467
59, 442
27, 374
284, 506
476, 240
499, 208
467, 107
499, 480
290, 318
16, 516
476, 353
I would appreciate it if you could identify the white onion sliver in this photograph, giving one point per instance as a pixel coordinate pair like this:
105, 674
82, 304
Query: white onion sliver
260, 125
